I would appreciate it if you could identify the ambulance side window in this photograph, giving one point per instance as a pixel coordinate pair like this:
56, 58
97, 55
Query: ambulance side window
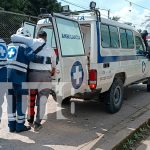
105, 35
139, 45
130, 39
114, 37
123, 38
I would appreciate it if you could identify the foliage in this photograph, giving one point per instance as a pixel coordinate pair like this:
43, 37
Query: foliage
30, 7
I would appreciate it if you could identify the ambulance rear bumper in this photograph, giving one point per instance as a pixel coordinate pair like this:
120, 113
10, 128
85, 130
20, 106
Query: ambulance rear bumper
87, 95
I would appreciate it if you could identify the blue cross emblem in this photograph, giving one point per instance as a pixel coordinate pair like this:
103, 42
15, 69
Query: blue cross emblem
77, 75
3, 51
12, 52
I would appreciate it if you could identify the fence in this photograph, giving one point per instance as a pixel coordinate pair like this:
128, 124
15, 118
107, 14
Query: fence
10, 22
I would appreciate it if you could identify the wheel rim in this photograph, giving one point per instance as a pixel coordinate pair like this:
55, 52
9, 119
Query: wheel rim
117, 95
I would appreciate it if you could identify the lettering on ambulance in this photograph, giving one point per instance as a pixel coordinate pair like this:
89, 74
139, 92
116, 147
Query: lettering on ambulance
69, 36
80, 18
3, 52
77, 75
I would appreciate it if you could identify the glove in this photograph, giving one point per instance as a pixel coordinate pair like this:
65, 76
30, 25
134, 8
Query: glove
48, 60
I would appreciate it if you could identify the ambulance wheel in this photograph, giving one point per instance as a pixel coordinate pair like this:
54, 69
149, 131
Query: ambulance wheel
148, 87
66, 101
114, 97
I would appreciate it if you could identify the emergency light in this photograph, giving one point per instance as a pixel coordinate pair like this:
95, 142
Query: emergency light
65, 8
43, 11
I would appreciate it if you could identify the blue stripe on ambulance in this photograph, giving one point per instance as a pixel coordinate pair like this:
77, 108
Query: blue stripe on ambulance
106, 59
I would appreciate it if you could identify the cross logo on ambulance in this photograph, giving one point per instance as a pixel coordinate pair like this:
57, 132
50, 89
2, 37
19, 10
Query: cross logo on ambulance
3, 51
77, 75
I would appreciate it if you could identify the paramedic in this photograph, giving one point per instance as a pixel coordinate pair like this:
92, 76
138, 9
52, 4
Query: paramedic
18, 59
144, 34
3, 72
39, 73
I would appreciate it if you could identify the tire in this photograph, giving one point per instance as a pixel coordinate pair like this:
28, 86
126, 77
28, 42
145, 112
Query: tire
114, 97
66, 101
148, 87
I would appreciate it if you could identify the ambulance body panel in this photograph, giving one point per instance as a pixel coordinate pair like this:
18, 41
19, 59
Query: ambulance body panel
95, 55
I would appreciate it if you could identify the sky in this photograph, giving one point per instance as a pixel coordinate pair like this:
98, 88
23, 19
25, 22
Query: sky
120, 8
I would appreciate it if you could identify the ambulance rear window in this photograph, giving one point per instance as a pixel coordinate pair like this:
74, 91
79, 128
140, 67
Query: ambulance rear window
70, 37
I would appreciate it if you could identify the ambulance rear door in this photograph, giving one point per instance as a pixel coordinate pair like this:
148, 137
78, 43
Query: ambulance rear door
72, 61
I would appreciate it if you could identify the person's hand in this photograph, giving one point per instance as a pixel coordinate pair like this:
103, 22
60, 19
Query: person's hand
53, 71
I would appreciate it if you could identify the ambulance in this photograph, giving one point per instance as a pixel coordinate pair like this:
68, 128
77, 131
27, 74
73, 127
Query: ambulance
96, 57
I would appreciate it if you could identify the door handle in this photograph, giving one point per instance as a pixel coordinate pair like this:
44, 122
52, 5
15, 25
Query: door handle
106, 65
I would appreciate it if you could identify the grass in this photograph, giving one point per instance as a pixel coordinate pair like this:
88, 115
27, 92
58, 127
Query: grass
134, 139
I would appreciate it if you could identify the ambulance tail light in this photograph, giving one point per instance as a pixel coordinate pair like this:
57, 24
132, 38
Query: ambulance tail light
92, 79
57, 55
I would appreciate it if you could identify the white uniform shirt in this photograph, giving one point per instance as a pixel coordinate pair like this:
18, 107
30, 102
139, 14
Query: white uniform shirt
34, 44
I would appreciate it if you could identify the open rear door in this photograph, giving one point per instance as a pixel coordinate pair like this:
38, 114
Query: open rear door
31, 27
73, 61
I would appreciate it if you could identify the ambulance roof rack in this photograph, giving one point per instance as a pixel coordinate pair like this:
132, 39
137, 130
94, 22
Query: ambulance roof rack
66, 11
44, 13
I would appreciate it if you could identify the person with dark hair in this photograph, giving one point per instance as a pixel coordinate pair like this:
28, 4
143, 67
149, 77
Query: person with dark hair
39, 73
144, 34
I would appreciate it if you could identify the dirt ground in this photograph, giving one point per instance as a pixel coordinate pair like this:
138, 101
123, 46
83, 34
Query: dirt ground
86, 127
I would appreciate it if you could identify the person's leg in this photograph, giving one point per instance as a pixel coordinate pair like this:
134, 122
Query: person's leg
31, 106
41, 107
32, 77
11, 109
3, 90
1, 102
21, 105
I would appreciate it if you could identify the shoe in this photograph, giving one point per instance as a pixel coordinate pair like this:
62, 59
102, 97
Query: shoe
31, 124
26, 128
12, 130
30, 119
37, 126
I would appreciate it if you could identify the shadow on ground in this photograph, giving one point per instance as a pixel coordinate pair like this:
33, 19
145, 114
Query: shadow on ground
88, 123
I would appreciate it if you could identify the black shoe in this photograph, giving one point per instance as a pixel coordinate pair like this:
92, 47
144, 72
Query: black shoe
26, 128
30, 119
37, 126
12, 130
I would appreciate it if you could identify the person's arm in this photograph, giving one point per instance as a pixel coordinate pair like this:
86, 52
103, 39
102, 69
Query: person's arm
53, 61
22, 39
31, 56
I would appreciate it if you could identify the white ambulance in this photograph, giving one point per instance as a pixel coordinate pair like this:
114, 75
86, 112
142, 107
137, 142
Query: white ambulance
96, 56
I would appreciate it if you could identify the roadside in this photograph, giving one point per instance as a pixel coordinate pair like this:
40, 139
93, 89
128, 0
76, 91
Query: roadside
145, 144
89, 128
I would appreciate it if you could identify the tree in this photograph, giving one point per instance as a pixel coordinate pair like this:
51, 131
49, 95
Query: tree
30, 7
146, 23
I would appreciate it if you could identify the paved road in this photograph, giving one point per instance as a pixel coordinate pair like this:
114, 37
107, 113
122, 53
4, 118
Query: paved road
89, 123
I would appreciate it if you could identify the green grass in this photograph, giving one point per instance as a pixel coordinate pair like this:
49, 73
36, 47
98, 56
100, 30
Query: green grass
134, 139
